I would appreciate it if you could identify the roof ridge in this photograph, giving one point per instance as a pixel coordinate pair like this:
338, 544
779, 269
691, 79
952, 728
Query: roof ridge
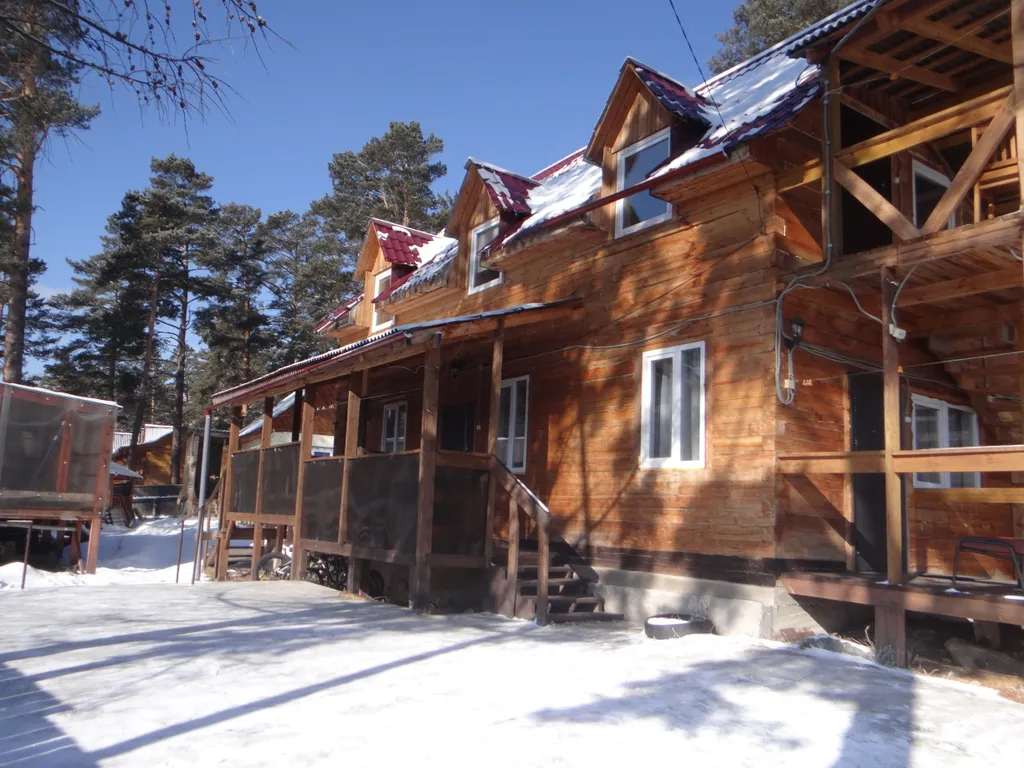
550, 166
393, 225
473, 161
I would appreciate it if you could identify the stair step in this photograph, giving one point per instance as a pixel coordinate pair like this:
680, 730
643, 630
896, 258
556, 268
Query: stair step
551, 582
574, 599
571, 618
530, 571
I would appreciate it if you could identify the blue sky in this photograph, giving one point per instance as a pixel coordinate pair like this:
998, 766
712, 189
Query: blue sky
519, 85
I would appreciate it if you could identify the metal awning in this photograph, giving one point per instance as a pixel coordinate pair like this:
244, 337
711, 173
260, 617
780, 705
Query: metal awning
411, 337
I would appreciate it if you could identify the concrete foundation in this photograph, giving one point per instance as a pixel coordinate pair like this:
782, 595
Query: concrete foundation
736, 609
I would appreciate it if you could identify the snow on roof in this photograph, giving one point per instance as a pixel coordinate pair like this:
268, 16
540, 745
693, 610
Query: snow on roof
508, 190
748, 100
257, 424
338, 314
573, 185
399, 244
550, 170
437, 257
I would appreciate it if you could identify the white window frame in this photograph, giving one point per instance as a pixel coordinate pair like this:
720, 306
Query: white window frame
674, 461
510, 446
936, 177
943, 408
395, 405
474, 258
375, 324
622, 154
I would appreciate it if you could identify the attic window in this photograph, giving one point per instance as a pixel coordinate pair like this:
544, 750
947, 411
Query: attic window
481, 277
381, 283
636, 161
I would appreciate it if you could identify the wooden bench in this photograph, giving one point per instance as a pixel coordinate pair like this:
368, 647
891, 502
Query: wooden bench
1003, 548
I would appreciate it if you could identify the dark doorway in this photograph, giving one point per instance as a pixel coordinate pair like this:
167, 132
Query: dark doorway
867, 434
862, 230
457, 426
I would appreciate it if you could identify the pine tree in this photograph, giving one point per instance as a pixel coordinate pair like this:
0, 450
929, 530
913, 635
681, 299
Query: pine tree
389, 178
234, 322
38, 103
760, 24
179, 217
309, 270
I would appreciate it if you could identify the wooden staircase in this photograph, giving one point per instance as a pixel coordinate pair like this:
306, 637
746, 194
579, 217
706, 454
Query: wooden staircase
570, 593
538, 585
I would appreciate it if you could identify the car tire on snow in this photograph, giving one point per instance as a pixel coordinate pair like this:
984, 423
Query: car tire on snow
669, 625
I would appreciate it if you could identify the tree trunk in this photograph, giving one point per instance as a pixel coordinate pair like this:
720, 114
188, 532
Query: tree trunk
17, 303
147, 366
178, 417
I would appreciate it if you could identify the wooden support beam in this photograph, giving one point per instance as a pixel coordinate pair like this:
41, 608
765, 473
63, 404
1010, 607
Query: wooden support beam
307, 425
874, 202
419, 587
891, 636
963, 38
898, 68
937, 125
970, 495
1011, 277
356, 391
296, 415
92, 556
984, 458
266, 435
832, 463
512, 567
972, 168
892, 433
543, 566
494, 403
227, 481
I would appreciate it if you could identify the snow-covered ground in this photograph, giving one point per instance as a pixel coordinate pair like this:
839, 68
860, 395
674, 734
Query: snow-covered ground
146, 553
272, 674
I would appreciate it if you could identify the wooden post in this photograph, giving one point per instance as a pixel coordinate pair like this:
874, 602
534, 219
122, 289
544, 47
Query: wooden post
890, 632
266, 434
297, 415
306, 428
75, 555
419, 586
497, 361
543, 565
832, 200
512, 573
92, 557
1017, 41
340, 415
356, 390
227, 481
355, 575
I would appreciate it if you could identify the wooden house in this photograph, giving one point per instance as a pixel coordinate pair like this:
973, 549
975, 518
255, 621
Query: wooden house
754, 347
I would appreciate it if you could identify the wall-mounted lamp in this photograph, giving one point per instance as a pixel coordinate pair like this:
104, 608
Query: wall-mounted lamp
796, 332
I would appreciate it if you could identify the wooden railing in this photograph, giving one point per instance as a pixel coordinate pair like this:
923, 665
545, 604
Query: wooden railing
521, 497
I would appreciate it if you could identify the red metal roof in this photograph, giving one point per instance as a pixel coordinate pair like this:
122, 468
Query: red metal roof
339, 314
550, 170
673, 95
508, 191
400, 244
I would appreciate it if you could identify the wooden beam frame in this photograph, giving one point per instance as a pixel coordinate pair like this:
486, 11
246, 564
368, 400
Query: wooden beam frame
419, 583
898, 68
356, 391
832, 462
494, 403
1011, 277
972, 168
920, 24
957, 118
266, 435
888, 213
307, 426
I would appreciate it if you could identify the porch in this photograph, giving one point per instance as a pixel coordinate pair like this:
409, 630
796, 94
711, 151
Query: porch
412, 482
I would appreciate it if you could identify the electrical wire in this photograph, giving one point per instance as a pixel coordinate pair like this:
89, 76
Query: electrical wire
856, 301
896, 296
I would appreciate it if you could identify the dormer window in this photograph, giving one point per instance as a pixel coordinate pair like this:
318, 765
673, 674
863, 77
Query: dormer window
636, 161
480, 277
381, 283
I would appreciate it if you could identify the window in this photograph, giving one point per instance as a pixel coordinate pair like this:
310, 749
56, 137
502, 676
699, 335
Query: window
940, 425
672, 412
513, 409
381, 283
481, 277
393, 431
457, 427
642, 209
929, 187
